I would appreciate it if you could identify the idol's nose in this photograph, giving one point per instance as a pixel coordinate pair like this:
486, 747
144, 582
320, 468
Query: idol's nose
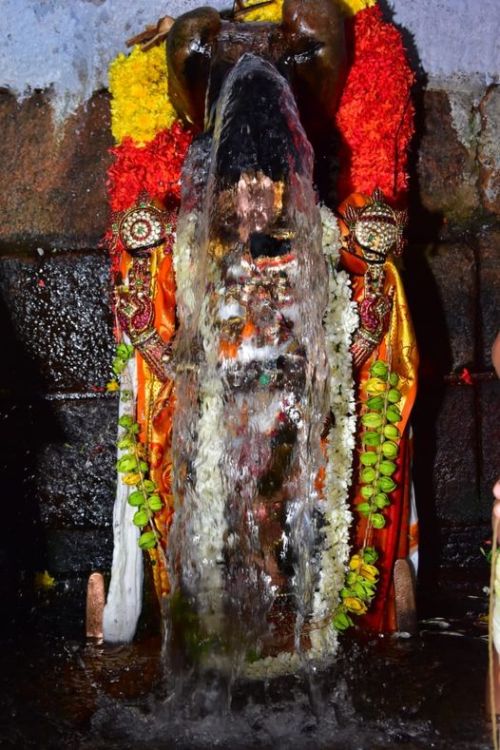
257, 125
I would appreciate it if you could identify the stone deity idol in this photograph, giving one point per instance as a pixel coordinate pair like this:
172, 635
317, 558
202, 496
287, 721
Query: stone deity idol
238, 409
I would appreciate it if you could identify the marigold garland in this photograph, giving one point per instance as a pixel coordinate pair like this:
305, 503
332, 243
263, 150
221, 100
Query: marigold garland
273, 11
140, 106
153, 170
375, 116
351, 7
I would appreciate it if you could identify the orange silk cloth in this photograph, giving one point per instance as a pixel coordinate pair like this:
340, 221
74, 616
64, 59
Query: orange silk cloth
155, 406
398, 348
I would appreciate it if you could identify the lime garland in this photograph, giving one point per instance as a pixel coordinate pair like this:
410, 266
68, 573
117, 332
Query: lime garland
145, 497
132, 464
380, 440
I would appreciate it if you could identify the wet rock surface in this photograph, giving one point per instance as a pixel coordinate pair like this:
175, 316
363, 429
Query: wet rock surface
57, 317
488, 152
447, 169
382, 693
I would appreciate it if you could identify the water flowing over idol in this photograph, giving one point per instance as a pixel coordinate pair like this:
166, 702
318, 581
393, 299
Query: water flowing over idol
250, 536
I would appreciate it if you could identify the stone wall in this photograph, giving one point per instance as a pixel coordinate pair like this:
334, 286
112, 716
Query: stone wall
59, 426
452, 275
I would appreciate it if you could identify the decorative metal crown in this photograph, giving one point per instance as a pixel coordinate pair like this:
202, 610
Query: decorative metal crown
376, 227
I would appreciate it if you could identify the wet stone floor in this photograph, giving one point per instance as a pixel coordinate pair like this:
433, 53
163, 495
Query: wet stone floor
423, 692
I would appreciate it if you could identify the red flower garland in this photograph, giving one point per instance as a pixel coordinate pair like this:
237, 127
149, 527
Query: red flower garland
375, 116
153, 170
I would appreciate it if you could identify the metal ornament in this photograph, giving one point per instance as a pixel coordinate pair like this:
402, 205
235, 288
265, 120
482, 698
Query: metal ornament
377, 229
142, 228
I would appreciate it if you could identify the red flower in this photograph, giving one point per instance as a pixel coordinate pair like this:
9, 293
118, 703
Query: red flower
375, 116
465, 377
154, 169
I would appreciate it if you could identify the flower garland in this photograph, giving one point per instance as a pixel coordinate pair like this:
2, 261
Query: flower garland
153, 170
341, 321
271, 13
140, 106
375, 115
378, 450
274, 11
147, 163
351, 7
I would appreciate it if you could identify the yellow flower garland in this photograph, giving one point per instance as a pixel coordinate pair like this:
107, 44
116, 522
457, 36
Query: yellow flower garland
273, 12
140, 106
270, 13
351, 7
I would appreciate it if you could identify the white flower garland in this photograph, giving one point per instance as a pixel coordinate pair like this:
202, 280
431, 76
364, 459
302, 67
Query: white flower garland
341, 321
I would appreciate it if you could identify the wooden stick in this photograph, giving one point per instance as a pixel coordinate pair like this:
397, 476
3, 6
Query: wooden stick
95, 607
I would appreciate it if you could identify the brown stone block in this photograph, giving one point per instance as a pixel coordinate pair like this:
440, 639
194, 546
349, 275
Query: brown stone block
447, 169
445, 474
440, 281
489, 296
446, 457
53, 188
455, 468
489, 150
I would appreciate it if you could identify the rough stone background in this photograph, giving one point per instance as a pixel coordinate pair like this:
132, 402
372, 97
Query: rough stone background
57, 441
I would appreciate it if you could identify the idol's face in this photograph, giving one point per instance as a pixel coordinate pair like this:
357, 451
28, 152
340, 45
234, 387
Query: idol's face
251, 216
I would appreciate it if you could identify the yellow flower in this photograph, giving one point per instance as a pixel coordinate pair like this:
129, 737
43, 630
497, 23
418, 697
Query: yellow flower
373, 386
351, 7
369, 572
355, 562
131, 479
355, 605
44, 580
112, 386
140, 105
271, 13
